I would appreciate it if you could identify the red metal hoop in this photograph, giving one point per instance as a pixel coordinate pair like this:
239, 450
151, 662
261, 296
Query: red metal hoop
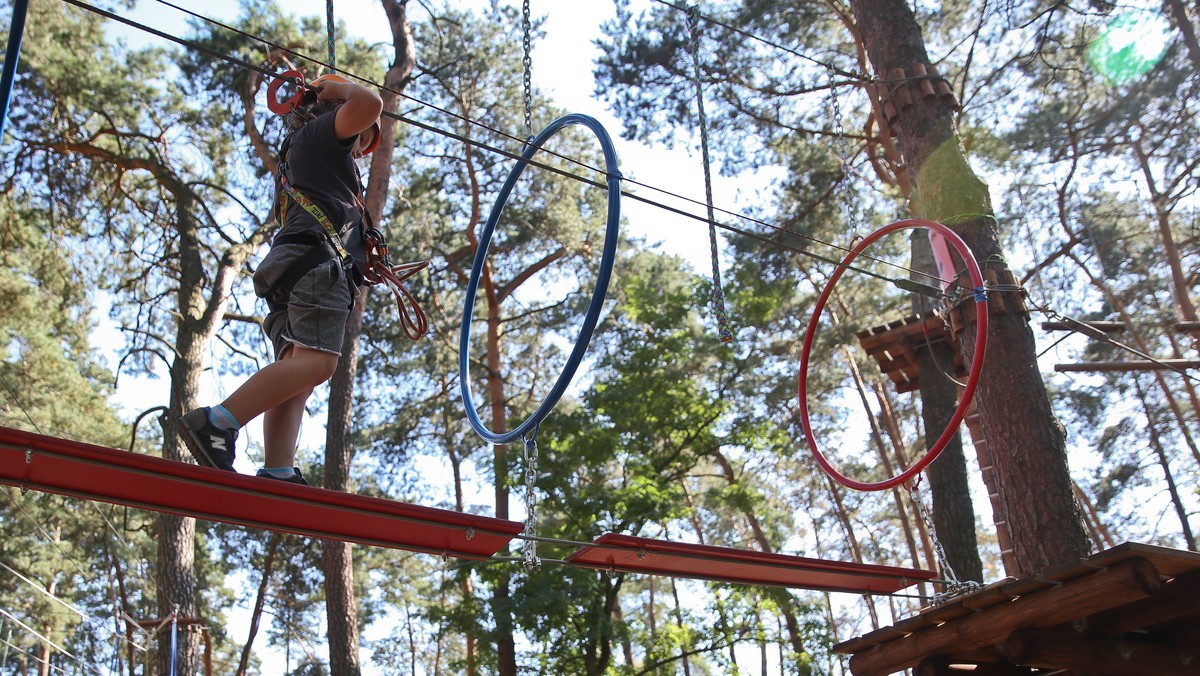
981, 319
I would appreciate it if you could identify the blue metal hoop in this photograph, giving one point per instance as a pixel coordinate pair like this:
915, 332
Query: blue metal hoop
602, 279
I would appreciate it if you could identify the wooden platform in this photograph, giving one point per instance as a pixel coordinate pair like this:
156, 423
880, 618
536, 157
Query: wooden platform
1130, 610
894, 347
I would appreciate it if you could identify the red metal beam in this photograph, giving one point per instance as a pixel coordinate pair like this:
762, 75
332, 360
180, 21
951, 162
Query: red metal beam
91, 472
631, 554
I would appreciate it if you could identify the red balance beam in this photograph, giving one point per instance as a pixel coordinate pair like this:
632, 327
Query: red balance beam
723, 564
91, 472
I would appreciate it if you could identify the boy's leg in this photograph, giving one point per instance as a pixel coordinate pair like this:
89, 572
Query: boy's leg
296, 372
292, 377
281, 427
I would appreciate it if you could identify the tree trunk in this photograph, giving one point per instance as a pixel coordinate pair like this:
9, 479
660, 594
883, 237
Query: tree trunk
506, 650
1184, 23
175, 575
259, 601
1031, 468
1170, 250
782, 597
953, 512
683, 649
1164, 461
341, 605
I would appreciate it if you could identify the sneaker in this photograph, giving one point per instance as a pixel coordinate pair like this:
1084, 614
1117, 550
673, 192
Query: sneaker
210, 445
295, 478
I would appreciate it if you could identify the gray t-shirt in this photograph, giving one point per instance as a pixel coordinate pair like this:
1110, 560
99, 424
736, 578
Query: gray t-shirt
321, 167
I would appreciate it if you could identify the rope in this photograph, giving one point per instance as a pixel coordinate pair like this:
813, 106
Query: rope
516, 156
65, 604
379, 270
718, 295
689, 10
329, 31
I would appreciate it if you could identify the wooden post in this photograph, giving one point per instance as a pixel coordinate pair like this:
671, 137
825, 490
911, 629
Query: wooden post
1178, 598
1132, 365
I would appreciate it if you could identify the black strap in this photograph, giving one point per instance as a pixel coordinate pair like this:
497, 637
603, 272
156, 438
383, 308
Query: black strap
323, 247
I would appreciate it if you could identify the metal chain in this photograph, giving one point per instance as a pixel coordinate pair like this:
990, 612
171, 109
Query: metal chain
841, 148
718, 294
839, 133
527, 64
529, 556
954, 586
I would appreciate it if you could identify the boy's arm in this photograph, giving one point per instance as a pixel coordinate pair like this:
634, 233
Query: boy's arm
360, 111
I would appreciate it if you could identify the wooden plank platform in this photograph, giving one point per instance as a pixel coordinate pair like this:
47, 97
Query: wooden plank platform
632, 554
1139, 594
91, 472
894, 347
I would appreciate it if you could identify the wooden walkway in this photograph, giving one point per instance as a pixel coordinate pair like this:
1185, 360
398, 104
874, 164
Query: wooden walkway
1130, 610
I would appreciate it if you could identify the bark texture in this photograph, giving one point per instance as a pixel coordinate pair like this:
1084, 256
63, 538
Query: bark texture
953, 512
341, 603
1029, 442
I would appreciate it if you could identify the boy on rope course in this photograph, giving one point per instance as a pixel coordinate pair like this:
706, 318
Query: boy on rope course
310, 279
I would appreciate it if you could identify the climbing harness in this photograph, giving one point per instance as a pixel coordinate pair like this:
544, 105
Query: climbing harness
378, 268
318, 253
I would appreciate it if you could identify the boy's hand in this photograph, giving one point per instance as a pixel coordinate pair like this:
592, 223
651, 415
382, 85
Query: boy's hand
361, 109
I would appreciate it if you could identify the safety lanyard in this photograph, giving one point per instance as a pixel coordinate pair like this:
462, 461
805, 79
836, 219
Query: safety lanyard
335, 237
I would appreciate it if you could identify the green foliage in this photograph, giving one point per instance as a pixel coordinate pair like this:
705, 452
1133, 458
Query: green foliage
667, 433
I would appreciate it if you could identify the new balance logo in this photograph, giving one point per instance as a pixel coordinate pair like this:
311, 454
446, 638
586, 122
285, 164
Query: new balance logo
218, 443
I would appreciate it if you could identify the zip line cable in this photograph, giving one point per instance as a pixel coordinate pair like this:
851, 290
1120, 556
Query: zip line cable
1083, 328
45, 639
769, 43
65, 604
34, 656
905, 284
48, 540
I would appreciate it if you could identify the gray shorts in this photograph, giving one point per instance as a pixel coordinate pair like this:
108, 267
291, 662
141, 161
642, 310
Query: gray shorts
314, 314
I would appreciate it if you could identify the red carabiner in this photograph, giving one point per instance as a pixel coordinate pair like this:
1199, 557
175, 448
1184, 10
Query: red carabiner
286, 106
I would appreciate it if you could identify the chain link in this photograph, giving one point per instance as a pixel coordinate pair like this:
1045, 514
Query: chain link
527, 64
839, 133
841, 148
529, 556
954, 586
